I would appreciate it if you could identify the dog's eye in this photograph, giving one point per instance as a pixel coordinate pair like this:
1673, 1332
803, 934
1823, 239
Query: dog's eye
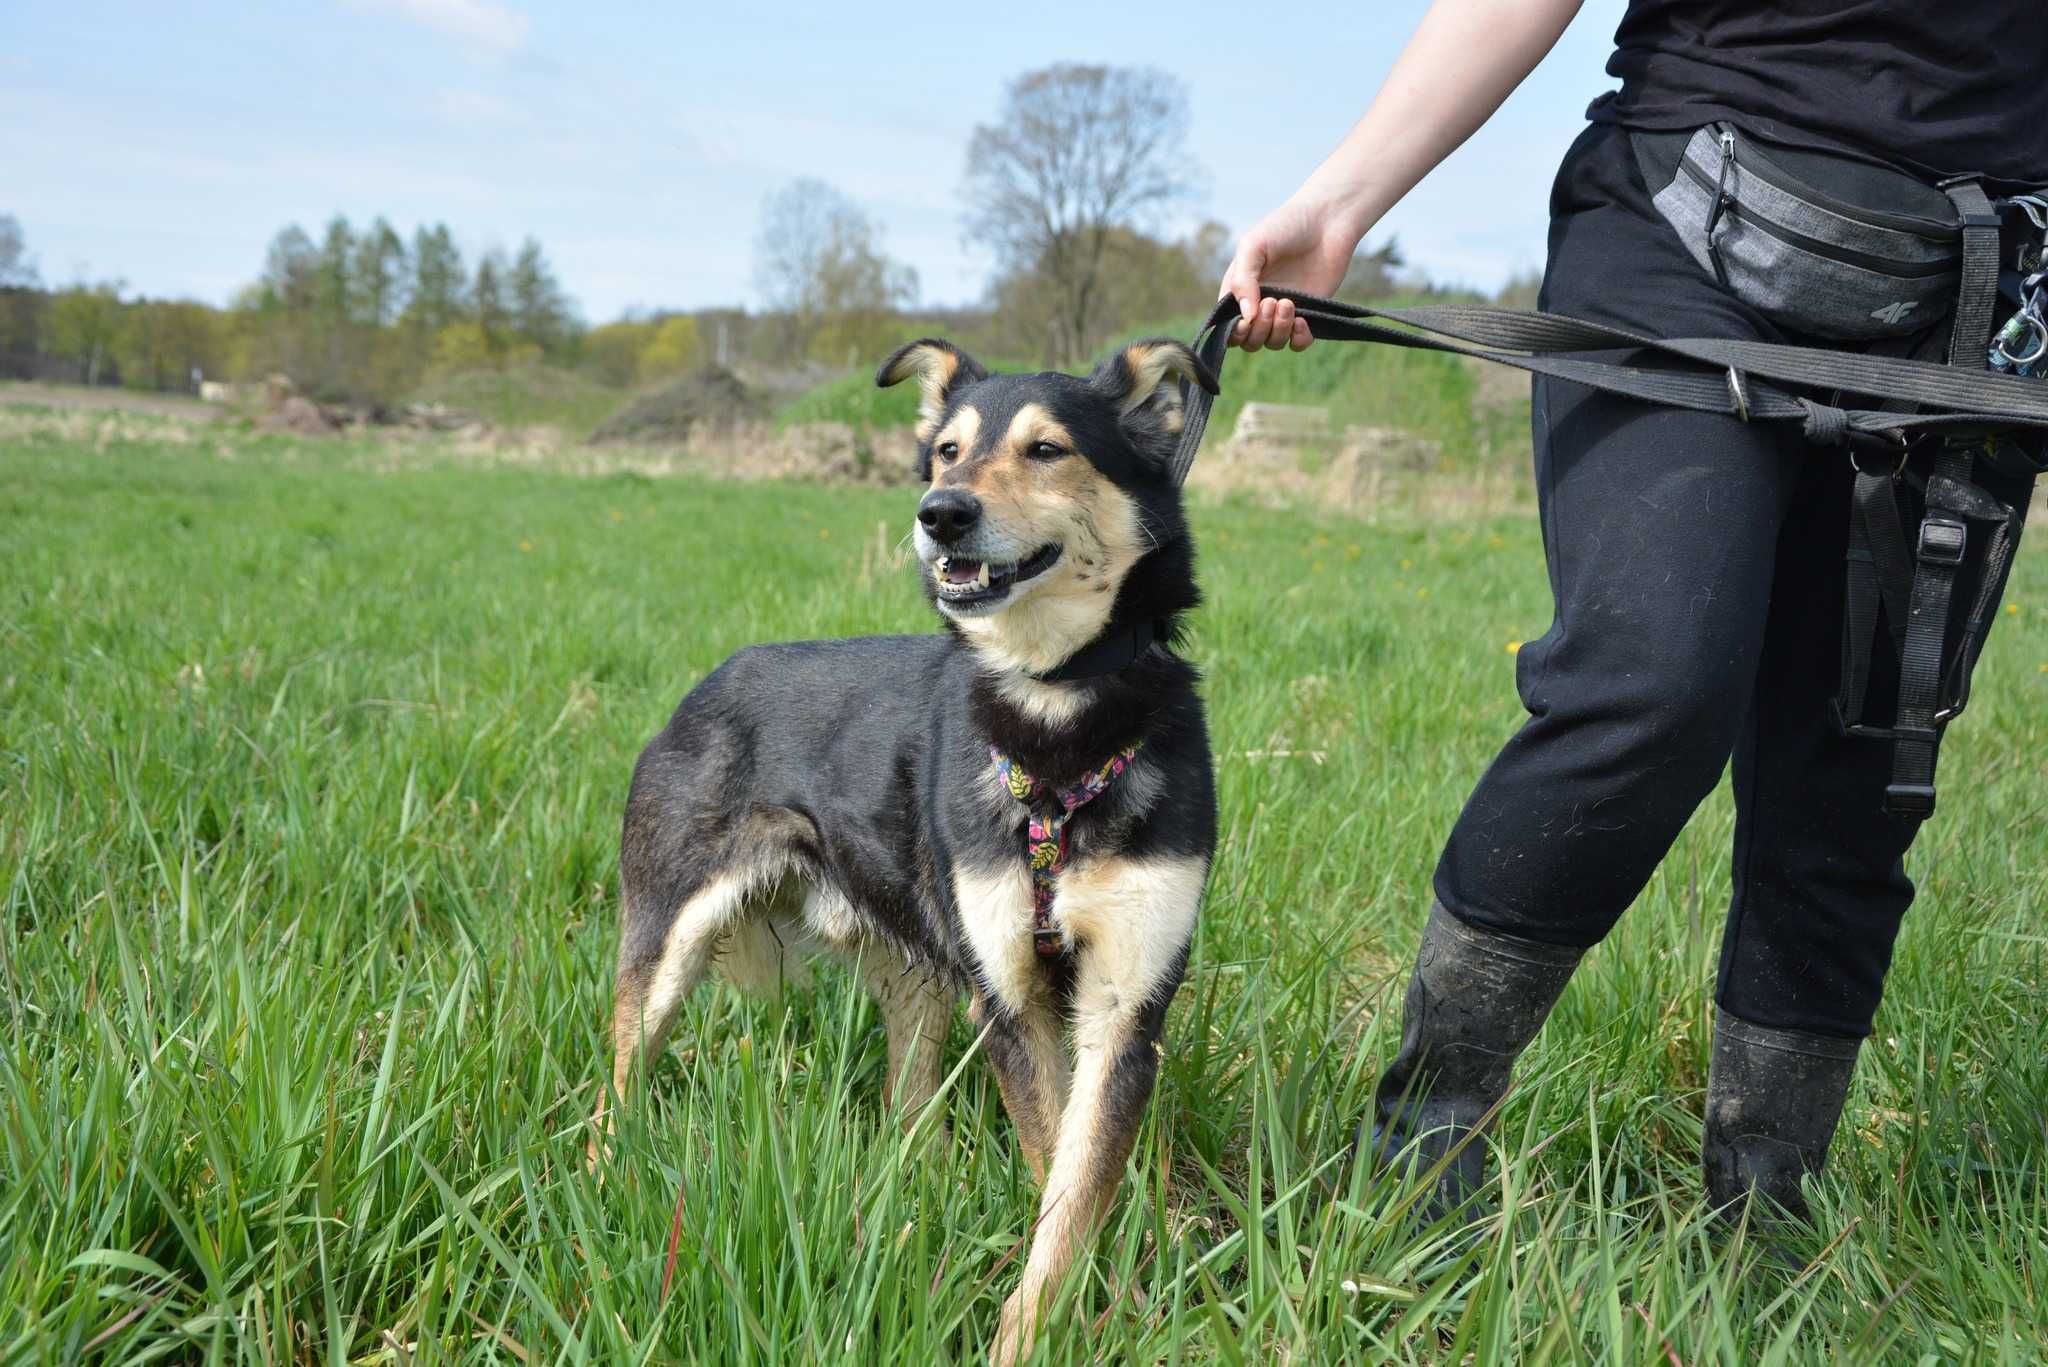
947, 450
1046, 450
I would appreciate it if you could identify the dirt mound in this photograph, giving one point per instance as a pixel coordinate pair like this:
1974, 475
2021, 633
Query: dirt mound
712, 400
299, 417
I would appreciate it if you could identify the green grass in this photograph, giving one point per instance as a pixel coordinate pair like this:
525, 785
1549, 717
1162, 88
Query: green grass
854, 400
312, 772
857, 401
528, 396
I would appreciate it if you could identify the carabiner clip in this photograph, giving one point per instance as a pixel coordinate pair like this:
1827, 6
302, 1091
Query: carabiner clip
2021, 324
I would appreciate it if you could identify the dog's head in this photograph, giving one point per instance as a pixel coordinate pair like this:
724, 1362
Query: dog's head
1045, 491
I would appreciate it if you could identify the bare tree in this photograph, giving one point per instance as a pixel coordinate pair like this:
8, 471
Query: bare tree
1145, 284
819, 260
1076, 153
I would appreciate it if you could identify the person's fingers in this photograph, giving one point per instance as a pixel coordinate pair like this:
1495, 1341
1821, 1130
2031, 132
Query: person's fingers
1254, 330
1262, 325
1241, 282
1302, 336
1283, 325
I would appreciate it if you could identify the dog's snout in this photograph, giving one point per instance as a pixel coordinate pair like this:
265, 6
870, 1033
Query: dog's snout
948, 514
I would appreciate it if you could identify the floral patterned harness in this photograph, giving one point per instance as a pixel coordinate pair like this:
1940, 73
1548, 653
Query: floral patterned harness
1045, 835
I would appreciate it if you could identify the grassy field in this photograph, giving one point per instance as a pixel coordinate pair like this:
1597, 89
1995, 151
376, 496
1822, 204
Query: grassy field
313, 758
528, 396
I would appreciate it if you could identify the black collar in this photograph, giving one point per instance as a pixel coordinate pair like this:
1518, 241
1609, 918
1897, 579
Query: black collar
1115, 649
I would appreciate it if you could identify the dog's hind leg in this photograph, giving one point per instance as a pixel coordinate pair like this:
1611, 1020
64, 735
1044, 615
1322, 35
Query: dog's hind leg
917, 1011
1132, 920
652, 987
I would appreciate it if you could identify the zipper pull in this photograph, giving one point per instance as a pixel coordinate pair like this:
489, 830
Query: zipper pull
1724, 196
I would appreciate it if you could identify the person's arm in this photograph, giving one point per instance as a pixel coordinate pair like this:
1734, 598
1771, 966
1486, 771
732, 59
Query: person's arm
1462, 62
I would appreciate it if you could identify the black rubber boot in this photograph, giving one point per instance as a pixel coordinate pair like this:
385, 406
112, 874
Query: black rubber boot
1475, 1002
1774, 1098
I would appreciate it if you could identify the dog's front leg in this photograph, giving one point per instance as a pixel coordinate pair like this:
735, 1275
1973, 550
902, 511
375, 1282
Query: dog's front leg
1024, 1046
1012, 1004
1133, 920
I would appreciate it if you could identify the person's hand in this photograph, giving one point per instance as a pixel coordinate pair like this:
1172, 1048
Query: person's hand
1305, 243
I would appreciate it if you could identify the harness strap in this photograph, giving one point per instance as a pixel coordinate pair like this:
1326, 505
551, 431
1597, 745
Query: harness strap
1712, 374
1977, 299
1916, 737
1046, 849
1880, 573
1944, 537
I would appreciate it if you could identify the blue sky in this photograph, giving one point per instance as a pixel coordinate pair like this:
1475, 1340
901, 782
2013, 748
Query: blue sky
637, 142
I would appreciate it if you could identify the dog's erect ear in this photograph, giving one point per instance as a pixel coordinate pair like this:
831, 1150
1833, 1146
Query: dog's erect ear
1143, 381
1138, 373
939, 368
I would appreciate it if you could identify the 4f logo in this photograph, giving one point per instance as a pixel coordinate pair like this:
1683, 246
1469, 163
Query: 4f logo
1892, 314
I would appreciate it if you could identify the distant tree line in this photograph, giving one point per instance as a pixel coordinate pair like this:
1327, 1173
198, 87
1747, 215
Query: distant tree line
1073, 191
358, 317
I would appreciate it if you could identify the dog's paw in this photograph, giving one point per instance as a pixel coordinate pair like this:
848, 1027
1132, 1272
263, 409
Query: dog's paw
599, 1146
1014, 1334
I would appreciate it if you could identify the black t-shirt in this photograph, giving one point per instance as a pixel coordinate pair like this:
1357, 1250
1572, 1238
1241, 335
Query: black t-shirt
1936, 87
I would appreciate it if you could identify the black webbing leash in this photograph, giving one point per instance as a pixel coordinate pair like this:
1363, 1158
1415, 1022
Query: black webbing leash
1910, 585
1713, 375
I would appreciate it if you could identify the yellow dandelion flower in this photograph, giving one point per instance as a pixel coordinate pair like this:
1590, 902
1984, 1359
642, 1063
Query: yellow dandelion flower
618, 516
1316, 568
824, 533
1496, 541
1353, 551
1407, 564
1422, 592
526, 545
1514, 647
2012, 609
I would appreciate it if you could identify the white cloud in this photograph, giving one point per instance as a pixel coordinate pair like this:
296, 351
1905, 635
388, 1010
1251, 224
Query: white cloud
482, 24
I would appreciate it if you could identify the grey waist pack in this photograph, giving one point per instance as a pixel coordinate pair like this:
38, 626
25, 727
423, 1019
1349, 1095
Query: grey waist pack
1823, 245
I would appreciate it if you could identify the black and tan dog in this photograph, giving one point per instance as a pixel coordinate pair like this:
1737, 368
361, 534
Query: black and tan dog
1020, 810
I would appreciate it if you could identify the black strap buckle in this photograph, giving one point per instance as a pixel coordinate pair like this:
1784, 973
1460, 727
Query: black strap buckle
1909, 799
1943, 540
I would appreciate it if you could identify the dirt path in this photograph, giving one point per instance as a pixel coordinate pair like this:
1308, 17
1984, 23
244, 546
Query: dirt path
101, 398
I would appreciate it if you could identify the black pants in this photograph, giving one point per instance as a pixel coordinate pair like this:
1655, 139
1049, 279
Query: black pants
1697, 568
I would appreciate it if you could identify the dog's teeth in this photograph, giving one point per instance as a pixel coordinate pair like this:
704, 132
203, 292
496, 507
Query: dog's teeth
982, 578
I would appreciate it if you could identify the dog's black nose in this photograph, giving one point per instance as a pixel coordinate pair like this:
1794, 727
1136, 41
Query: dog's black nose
949, 514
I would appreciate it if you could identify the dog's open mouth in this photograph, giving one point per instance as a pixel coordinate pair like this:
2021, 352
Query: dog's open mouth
971, 583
